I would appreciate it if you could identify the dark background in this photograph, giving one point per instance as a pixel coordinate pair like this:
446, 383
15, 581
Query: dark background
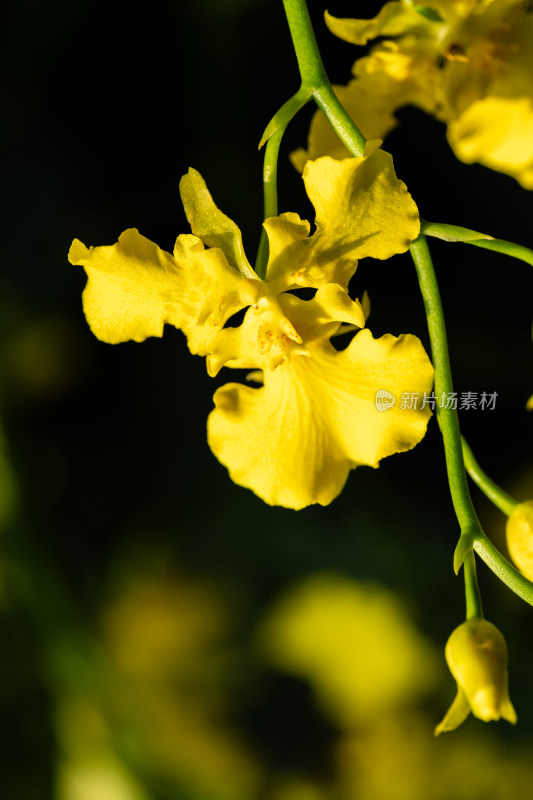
106, 105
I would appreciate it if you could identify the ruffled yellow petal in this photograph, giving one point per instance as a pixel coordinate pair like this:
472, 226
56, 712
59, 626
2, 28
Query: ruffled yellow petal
209, 290
362, 209
497, 132
402, 72
394, 19
321, 317
134, 288
213, 227
131, 291
294, 440
286, 256
298, 261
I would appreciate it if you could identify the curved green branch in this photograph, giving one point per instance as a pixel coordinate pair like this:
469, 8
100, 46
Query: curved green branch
270, 195
454, 233
508, 574
288, 110
501, 499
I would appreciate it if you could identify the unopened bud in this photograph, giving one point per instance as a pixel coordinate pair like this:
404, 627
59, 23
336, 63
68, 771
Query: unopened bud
476, 653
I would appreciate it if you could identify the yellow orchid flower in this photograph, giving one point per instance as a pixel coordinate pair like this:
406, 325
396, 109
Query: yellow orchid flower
476, 653
467, 62
293, 440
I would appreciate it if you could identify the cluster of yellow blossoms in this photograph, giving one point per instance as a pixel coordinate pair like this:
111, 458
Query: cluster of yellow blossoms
313, 414
313, 418
467, 62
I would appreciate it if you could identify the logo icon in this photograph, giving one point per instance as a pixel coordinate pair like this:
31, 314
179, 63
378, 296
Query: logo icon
384, 400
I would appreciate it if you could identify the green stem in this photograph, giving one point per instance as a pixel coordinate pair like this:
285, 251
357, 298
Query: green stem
501, 499
288, 110
270, 174
492, 557
474, 606
270, 195
454, 233
315, 79
471, 532
447, 417
340, 120
305, 45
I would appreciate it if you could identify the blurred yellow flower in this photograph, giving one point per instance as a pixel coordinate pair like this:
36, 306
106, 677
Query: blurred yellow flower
355, 644
519, 534
294, 440
298, 789
395, 758
102, 777
88, 768
167, 642
476, 653
467, 62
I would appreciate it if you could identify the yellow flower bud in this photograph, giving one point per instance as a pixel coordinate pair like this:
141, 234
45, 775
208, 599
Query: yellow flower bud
519, 531
476, 653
